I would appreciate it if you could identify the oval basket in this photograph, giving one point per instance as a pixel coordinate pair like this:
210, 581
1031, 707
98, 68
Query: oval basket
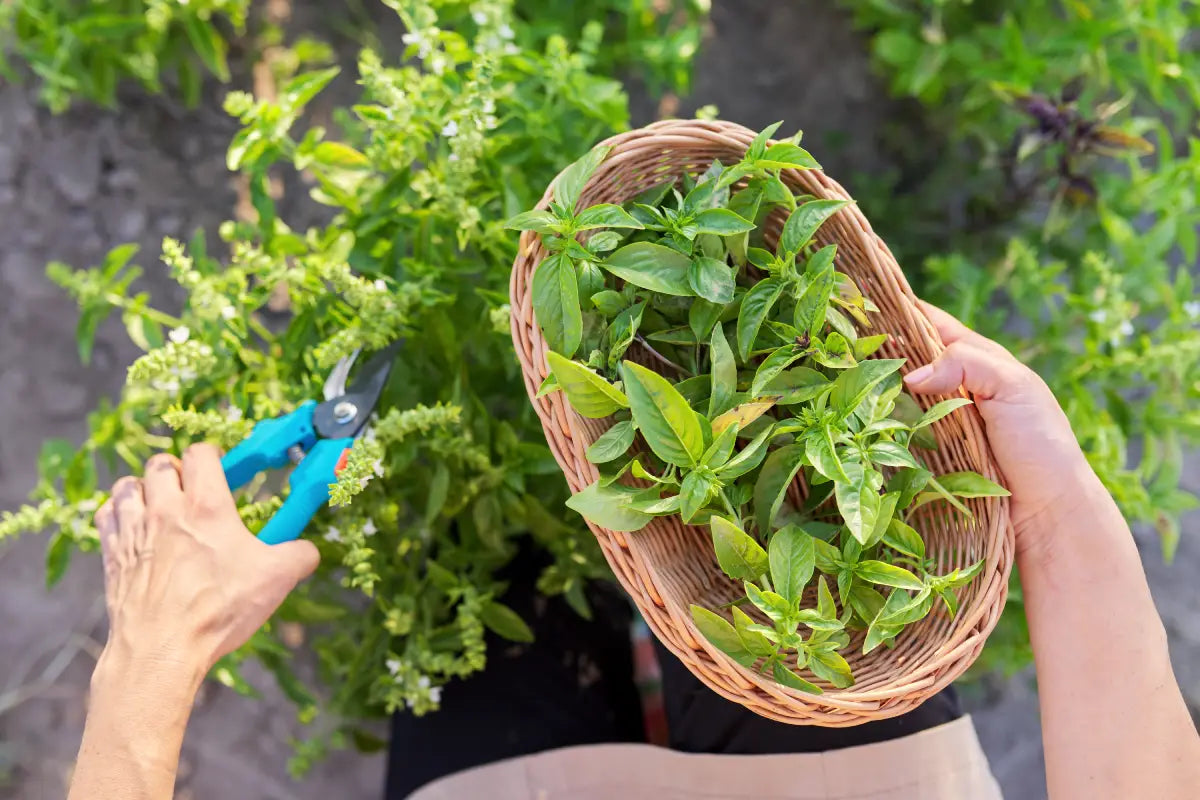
668, 565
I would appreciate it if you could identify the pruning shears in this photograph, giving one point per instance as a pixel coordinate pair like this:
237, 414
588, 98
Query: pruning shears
316, 437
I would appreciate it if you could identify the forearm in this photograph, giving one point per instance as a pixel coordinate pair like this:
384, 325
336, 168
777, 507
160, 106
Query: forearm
1114, 723
134, 730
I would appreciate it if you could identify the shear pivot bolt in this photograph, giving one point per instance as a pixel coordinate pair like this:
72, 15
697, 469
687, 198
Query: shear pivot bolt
345, 411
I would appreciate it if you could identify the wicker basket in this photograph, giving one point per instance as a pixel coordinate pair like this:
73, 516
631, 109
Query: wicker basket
668, 565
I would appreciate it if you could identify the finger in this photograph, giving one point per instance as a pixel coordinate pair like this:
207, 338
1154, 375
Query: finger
952, 330
985, 374
130, 506
106, 526
161, 483
204, 479
297, 560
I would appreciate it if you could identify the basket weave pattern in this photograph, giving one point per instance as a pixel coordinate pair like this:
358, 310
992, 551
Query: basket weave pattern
668, 565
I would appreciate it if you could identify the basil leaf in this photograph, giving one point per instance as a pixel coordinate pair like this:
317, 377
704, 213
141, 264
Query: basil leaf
940, 410
884, 574
711, 279
890, 454
722, 447
828, 556
970, 484
825, 605
503, 621
589, 394
556, 303
609, 507
724, 373
852, 386
536, 220
792, 558
887, 511
858, 499
830, 666
904, 539
821, 451
796, 385
878, 633
804, 222
813, 619
742, 415
695, 490
651, 266
623, 331
605, 215
721, 221
773, 605
747, 459
703, 317
866, 602
784, 155
603, 241
740, 557
660, 506
909, 483
908, 412
758, 147
866, 346
812, 305
756, 305
753, 640
722, 635
666, 421
776, 475
785, 677
570, 182
611, 444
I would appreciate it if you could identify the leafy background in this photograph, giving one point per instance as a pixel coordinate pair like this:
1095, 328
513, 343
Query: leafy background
72, 187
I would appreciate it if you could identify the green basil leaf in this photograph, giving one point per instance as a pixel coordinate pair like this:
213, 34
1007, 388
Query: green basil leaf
589, 394
796, 385
703, 317
792, 558
724, 373
695, 490
785, 677
909, 483
756, 305
758, 147
721, 449
556, 303
772, 365
828, 557
950, 599
722, 635
858, 499
660, 506
803, 223
813, 303
890, 454
612, 444
536, 220
908, 412
887, 512
755, 641
825, 604
651, 266
778, 472
773, 605
711, 279
970, 484
763, 259
866, 346
940, 410
503, 621
608, 302
747, 459
901, 609
866, 602
904, 539
623, 331
884, 574
821, 451
830, 666
783, 155
605, 215
853, 385
721, 221
667, 422
603, 241
740, 557
878, 634
835, 352
609, 507
813, 619
570, 182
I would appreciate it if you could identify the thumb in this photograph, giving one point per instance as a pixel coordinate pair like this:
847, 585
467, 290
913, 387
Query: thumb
985, 374
296, 560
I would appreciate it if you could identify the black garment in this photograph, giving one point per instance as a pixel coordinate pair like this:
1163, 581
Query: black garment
574, 685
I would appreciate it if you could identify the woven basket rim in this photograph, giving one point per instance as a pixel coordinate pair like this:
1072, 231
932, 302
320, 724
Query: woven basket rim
931, 667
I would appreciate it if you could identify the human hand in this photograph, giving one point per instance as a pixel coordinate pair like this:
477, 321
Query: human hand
1029, 434
184, 580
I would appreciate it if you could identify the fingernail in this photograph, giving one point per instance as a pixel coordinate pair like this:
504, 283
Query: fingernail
919, 375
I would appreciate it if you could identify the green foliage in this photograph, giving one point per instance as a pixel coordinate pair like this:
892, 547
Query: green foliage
85, 48
479, 116
1042, 220
725, 450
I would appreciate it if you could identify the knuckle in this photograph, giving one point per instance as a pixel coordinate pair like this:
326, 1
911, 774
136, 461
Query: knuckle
126, 488
161, 461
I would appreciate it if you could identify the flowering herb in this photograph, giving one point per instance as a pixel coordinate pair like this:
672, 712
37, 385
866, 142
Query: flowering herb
730, 366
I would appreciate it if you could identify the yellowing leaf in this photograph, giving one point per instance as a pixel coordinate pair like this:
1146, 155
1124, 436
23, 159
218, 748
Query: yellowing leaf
742, 415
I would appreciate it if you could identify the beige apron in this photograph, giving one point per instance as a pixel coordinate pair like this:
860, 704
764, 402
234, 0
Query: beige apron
942, 763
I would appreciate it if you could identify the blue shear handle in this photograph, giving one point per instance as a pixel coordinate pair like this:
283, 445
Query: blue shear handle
267, 445
309, 491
